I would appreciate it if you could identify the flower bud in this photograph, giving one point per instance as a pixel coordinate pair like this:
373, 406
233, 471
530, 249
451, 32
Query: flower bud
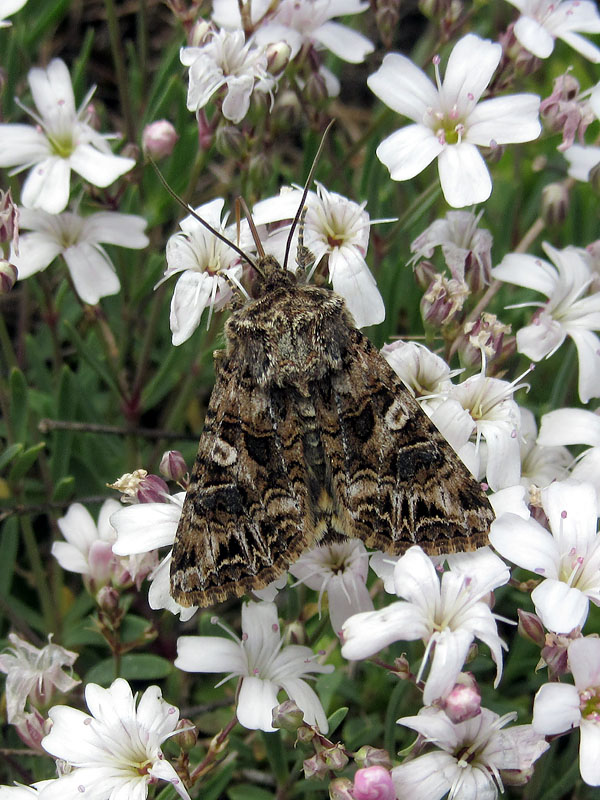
369, 756
31, 728
306, 733
9, 220
335, 757
172, 465
205, 130
387, 14
554, 653
128, 484
158, 138
152, 489
288, 716
199, 33
373, 783
402, 667
594, 178
464, 700
443, 301
231, 142
516, 777
425, 273
485, 335
107, 598
315, 767
8, 276
187, 734
315, 90
530, 627
278, 57
341, 789
555, 204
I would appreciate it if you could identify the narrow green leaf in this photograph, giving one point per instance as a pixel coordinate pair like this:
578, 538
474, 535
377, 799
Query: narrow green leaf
18, 404
213, 787
64, 489
246, 791
9, 544
336, 719
62, 441
24, 462
276, 754
134, 667
9, 453
392, 714
87, 353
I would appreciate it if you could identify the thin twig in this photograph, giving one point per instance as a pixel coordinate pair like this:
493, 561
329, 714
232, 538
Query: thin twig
47, 425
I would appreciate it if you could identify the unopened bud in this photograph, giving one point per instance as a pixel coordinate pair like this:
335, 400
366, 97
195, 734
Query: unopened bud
555, 651
172, 465
369, 756
9, 220
107, 598
341, 789
31, 728
305, 735
335, 757
402, 667
8, 276
288, 716
231, 142
443, 301
594, 178
425, 273
555, 204
278, 57
485, 335
152, 489
130, 150
387, 14
158, 138
464, 700
199, 33
530, 627
315, 90
373, 783
186, 736
315, 767
259, 169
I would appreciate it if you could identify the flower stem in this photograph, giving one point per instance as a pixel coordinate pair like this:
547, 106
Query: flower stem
48, 607
119, 62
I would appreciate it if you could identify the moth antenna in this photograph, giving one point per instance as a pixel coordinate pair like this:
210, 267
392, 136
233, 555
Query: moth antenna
260, 249
197, 217
309, 180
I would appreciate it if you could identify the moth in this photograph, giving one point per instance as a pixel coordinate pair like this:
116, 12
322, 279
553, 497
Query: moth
309, 437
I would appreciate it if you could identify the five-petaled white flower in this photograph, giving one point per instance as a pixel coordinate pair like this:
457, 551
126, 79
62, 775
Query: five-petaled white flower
263, 664
447, 615
560, 707
567, 558
35, 673
568, 311
115, 752
340, 569
543, 21
338, 229
7, 9
226, 60
450, 123
566, 426
471, 756
61, 141
204, 260
78, 240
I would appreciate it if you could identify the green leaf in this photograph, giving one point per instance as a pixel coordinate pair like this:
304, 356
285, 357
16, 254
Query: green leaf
87, 353
246, 791
336, 719
18, 404
62, 441
64, 489
9, 544
24, 462
7, 456
134, 667
276, 754
212, 788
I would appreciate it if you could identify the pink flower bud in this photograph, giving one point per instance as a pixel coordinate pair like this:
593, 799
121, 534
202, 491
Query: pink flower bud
315, 767
158, 138
101, 561
9, 220
31, 728
373, 783
464, 700
8, 276
369, 756
108, 598
443, 301
172, 465
530, 626
152, 489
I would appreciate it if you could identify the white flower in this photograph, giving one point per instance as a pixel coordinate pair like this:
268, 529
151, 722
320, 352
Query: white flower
582, 160
143, 528
447, 615
78, 240
340, 569
543, 21
61, 141
560, 707
566, 313
115, 752
335, 228
567, 558
298, 24
263, 664
226, 59
8, 8
470, 758
575, 426
20, 792
540, 464
423, 373
449, 122
204, 260
35, 673
87, 548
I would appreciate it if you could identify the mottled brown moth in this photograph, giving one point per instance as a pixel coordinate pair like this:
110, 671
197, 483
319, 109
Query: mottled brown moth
310, 436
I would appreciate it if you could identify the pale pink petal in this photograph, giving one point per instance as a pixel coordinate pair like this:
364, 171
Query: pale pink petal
256, 701
470, 67
98, 168
538, 340
464, 176
22, 145
109, 227
92, 272
584, 662
307, 700
47, 185
560, 607
504, 120
209, 654
36, 251
343, 42
408, 151
403, 87
588, 351
534, 37
526, 543
556, 708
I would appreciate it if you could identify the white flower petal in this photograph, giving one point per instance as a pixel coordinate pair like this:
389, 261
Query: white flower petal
209, 654
36, 251
428, 777
191, 296
70, 558
237, 99
571, 508
367, 633
256, 700
159, 593
526, 543
52, 90
470, 67
584, 662
504, 120
528, 271
408, 151
589, 747
543, 337
464, 176
98, 168
126, 230
352, 279
47, 185
451, 650
93, 274
588, 351
162, 770
343, 42
146, 526
534, 37
22, 145
556, 708
560, 606
583, 46
403, 87
570, 426
307, 701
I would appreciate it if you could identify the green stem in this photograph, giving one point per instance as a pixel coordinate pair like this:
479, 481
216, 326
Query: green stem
119, 62
42, 586
6, 344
